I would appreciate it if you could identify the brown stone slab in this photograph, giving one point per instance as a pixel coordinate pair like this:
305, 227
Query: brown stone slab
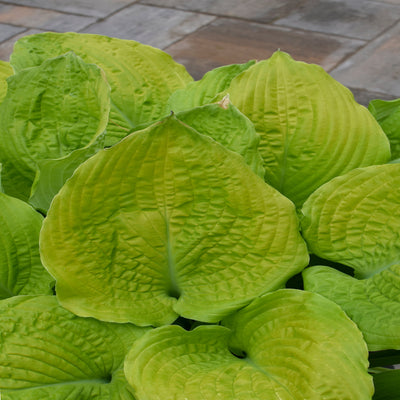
228, 41
255, 10
376, 67
361, 19
43, 19
154, 26
94, 8
7, 46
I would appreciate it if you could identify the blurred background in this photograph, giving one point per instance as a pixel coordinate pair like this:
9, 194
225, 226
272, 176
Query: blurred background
356, 41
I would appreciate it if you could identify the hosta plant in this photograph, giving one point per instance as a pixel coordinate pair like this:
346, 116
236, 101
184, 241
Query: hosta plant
232, 238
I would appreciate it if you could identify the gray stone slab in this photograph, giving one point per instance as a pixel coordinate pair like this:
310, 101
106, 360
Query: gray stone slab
376, 67
255, 10
94, 8
7, 31
362, 19
155, 26
228, 41
7, 46
30, 17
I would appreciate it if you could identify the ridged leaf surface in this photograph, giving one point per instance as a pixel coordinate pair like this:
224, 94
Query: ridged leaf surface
46, 352
291, 345
141, 77
373, 303
311, 128
168, 222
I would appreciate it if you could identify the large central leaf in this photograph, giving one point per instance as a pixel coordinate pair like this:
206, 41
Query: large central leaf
290, 345
168, 222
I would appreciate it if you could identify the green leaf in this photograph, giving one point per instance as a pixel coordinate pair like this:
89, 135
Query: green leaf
48, 112
228, 126
5, 71
47, 352
165, 223
373, 304
203, 92
21, 271
387, 113
310, 126
384, 358
387, 385
355, 219
290, 345
52, 174
141, 77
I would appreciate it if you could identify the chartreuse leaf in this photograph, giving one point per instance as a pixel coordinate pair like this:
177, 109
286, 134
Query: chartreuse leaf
202, 92
292, 345
52, 174
310, 126
21, 271
374, 303
228, 126
387, 113
5, 71
48, 112
355, 219
168, 222
49, 353
141, 77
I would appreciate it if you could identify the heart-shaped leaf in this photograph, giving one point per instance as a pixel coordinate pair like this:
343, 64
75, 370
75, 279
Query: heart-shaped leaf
46, 352
48, 112
21, 271
168, 222
291, 344
141, 77
355, 219
310, 126
202, 92
387, 113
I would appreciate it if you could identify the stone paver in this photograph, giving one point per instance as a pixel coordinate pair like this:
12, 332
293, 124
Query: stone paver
6, 47
94, 8
42, 19
7, 31
376, 67
227, 41
256, 10
360, 19
158, 27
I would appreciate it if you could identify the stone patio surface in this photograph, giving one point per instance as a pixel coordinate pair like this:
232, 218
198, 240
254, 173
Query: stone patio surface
356, 41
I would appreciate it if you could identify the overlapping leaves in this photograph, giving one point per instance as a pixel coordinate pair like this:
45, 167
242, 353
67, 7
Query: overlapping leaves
166, 223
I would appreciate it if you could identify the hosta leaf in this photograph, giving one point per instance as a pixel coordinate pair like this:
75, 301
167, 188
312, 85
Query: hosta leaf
387, 113
21, 271
49, 353
202, 92
355, 219
387, 385
373, 304
52, 174
228, 126
48, 112
293, 345
5, 71
141, 77
168, 222
310, 126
